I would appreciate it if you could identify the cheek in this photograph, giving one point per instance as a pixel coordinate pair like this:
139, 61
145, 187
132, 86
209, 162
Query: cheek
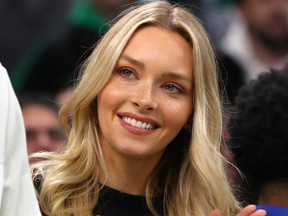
177, 114
175, 117
108, 99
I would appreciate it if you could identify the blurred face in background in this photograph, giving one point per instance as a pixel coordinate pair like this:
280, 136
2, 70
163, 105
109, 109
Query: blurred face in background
43, 129
267, 20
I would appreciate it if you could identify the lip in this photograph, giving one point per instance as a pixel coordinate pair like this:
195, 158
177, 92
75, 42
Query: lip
137, 130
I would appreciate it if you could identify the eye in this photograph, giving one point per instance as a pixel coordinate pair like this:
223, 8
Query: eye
31, 134
125, 72
172, 88
56, 134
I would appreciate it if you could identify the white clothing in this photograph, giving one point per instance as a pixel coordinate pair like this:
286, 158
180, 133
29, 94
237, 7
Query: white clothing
17, 195
237, 45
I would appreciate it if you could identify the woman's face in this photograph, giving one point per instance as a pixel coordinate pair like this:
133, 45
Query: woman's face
148, 98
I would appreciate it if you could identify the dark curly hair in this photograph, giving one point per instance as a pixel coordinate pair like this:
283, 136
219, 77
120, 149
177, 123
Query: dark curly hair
259, 131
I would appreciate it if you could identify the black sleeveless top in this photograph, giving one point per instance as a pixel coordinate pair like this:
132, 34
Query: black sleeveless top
115, 203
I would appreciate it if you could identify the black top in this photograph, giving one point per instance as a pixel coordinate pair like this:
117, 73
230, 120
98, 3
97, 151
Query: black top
115, 203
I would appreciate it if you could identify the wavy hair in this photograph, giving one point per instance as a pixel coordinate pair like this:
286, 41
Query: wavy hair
191, 176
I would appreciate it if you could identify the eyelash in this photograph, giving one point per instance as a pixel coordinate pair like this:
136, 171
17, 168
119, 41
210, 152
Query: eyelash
179, 89
123, 70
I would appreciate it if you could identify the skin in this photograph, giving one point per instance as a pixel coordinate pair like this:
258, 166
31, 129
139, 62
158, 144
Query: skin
41, 119
249, 210
274, 193
151, 88
268, 25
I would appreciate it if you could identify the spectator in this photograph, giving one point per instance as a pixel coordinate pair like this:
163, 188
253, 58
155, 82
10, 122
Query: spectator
43, 128
258, 140
257, 39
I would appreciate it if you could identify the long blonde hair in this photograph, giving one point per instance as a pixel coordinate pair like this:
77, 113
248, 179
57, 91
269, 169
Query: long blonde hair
191, 174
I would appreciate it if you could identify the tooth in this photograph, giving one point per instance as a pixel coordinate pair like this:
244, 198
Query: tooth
143, 125
138, 124
133, 122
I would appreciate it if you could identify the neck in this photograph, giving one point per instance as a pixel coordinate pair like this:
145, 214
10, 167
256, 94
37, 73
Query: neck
275, 193
128, 175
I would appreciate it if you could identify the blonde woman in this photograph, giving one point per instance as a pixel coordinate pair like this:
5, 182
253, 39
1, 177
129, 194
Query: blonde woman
144, 125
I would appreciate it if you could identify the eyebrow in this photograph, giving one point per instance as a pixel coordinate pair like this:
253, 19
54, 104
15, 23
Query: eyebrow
133, 61
168, 74
177, 76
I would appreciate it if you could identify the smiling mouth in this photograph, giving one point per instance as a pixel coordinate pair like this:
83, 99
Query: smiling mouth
139, 124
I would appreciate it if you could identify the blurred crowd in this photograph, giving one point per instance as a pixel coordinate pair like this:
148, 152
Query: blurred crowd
41, 41
44, 43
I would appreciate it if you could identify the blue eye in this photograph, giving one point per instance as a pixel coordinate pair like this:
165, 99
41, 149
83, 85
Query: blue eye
127, 73
172, 88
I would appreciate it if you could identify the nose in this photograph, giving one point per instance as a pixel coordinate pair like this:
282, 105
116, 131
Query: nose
44, 142
144, 97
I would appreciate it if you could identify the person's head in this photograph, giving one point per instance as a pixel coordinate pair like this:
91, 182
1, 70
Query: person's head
43, 128
267, 21
149, 92
259, 132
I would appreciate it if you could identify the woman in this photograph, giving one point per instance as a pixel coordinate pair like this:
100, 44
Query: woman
145, 125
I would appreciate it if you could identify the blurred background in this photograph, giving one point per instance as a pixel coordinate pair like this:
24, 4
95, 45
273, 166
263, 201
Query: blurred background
44, 42
23, 22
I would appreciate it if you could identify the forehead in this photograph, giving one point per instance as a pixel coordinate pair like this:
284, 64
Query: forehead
35, 111
158, 36
161, 43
